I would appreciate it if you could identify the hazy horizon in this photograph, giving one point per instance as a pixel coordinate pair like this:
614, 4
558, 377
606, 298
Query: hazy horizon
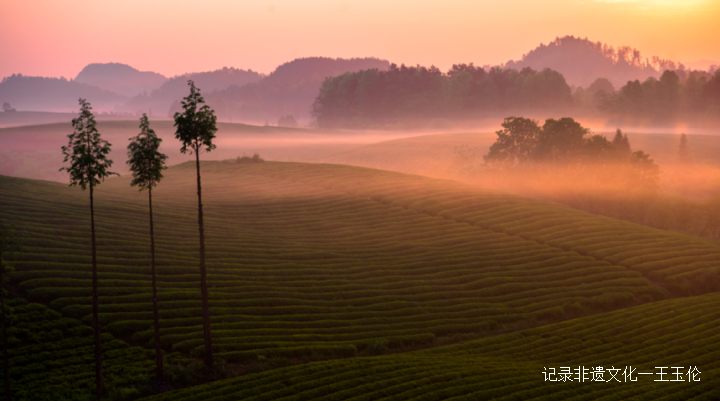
39, 35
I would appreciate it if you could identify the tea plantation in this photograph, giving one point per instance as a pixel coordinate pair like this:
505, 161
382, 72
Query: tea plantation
52, 357
315, 261
623, 345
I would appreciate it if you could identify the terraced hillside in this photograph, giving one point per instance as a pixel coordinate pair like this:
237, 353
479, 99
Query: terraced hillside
52, 357
320, 261
610, 356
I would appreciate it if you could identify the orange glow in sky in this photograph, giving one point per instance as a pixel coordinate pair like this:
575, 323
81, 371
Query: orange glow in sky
58, 38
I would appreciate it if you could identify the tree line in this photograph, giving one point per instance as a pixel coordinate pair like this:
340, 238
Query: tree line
89, 165
371, 97
676, 95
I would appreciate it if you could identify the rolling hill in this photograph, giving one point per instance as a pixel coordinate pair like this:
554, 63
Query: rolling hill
317, 261
582, 61
606, 356
120, 78
313, 261
54, 94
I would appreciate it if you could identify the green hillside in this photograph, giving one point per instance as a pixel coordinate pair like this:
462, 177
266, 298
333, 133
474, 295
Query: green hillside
51, 357
679, 333
317, 261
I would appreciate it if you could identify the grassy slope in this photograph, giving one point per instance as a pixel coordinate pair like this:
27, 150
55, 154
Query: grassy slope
51, 357
326, 260
672, 333
323, 261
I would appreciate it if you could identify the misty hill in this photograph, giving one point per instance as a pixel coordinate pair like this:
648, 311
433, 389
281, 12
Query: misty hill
582, 61
174, 89
53, 94
290, 89
120, 78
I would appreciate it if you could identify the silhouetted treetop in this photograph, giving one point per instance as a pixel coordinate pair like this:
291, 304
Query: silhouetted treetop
601, 84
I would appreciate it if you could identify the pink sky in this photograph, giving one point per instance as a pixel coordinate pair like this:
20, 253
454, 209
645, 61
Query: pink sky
58, 38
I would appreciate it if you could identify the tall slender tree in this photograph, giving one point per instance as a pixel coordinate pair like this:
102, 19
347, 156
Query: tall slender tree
196, 128
147, 163
9, 244
89, 164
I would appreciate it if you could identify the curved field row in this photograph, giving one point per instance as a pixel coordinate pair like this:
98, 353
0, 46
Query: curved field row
327, 260
673, 333
681, 263
52, 357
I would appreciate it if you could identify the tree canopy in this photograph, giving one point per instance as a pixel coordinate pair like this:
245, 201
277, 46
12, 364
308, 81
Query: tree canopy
145, 160
563, 142
86, 151
197, 125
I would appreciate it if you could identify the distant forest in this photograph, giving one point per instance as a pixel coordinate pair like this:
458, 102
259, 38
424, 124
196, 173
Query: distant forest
372, 98
677, 95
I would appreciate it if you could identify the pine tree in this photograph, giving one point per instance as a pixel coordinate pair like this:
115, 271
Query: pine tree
196, 128
147, 164
622, 143
89, 164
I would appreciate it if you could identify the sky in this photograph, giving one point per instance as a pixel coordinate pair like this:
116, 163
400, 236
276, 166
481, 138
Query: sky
58, 38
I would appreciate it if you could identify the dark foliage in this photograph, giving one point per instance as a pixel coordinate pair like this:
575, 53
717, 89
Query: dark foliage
145, 160
146, 163
87, 154
372, 97
677, 95
196, 128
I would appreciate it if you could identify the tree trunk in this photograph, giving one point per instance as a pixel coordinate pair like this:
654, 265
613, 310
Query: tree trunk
203, 281
100, 382
6, 372
158, 351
